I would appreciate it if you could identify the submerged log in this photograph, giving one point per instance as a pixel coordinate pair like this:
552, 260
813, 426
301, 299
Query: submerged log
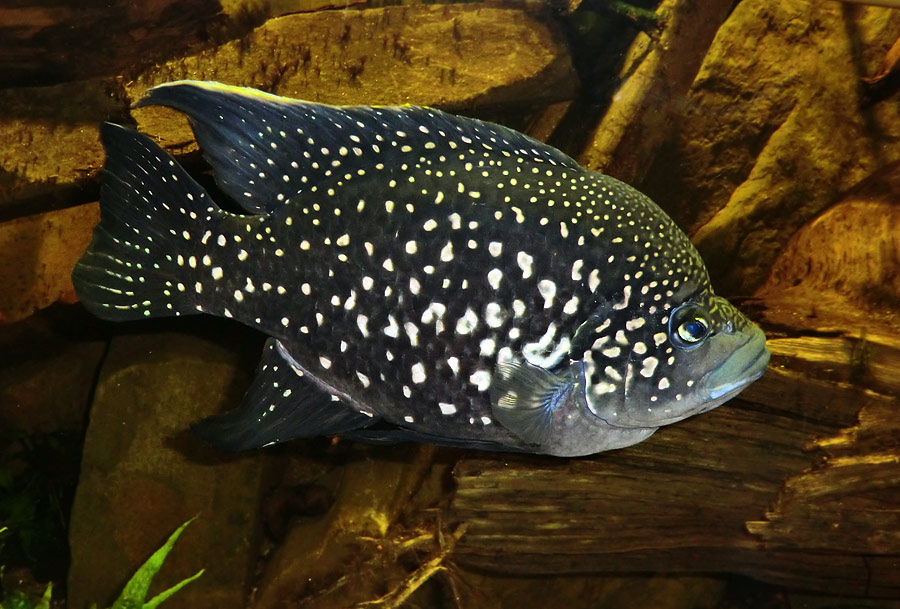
795, 483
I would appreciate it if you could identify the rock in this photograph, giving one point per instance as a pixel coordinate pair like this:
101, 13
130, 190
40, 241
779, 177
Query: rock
52, 154
844, 261
363, 546
43, 42
239, 10
48, 364
656, 76
773, 129
452, 56
37, 254
143, 474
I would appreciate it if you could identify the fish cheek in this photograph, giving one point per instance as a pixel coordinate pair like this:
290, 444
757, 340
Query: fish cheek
603, 399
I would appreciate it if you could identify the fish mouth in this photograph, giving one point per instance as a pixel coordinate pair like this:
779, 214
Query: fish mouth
744, 366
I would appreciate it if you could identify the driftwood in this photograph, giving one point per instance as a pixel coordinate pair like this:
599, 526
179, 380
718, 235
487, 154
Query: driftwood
796, 483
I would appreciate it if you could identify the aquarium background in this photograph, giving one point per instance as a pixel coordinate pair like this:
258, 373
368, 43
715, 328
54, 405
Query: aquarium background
768, 130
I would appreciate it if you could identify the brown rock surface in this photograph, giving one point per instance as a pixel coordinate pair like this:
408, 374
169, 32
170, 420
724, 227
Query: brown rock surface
845, 261
773, 129
51, 149
43, 42
142, 475
48, 364
656, 75
448, 55
37, 254
794, 484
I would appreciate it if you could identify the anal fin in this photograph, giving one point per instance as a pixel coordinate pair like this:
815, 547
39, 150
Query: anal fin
282, 404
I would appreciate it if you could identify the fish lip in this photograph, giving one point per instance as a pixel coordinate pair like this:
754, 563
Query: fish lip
754, 368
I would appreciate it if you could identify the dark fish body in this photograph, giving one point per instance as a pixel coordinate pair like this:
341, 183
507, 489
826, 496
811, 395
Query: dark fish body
421, 276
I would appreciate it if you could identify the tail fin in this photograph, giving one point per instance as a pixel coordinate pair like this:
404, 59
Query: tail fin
154, 222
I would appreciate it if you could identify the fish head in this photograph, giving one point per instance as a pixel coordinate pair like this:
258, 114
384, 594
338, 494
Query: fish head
685, 360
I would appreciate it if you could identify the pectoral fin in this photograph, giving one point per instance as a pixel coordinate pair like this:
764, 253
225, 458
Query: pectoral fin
524, 398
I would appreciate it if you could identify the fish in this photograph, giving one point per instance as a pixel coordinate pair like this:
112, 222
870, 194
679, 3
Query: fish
420, 276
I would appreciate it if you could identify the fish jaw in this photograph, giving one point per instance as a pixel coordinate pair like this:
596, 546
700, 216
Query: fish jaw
744, 366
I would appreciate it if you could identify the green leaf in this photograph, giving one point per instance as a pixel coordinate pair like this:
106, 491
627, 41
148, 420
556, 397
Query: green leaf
134, 594
154, 602
45, 600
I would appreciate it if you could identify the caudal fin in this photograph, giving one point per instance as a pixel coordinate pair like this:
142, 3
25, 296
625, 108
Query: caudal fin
154, 223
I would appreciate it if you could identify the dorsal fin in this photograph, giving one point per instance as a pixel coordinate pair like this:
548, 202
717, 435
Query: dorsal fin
264, 149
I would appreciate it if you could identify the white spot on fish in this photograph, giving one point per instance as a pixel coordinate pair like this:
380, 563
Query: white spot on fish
467, 322
547, 289
525, 261
576, 270
518, 308
626, 291
611, 352
392, 330
634, 324
453, 362
494, 315
649, 366
487, 347
447, 252
594, 280
362, 322
412, 332
481, 379
494, 276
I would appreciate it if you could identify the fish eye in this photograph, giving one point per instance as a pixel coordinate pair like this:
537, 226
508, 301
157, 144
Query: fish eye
692, 331
688, 326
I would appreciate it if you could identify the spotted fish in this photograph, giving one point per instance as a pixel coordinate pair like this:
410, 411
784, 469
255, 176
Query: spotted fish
421, 276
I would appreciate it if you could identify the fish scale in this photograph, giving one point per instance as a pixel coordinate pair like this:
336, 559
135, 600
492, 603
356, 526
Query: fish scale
421, 277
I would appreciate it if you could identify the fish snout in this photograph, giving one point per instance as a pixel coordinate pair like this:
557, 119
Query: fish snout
746, 364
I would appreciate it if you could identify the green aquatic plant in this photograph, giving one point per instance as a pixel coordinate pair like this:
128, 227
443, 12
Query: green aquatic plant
134, 595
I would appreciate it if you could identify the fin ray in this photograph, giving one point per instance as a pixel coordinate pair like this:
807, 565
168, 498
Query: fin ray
265, 149
147, 204
524, 397
282, 404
